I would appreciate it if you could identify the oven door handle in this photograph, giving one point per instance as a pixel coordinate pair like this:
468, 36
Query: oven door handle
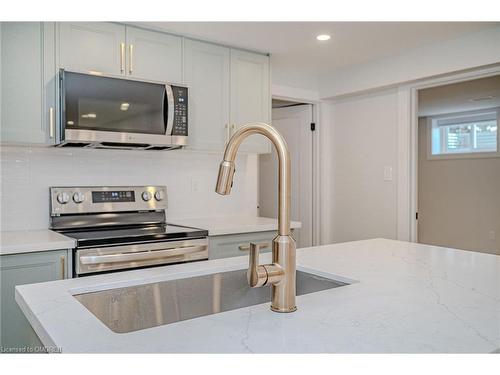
143, 255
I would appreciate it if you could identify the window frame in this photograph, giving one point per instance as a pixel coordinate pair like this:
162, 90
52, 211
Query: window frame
462, 155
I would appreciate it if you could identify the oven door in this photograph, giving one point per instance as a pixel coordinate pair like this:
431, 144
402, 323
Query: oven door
108, 110
94, 260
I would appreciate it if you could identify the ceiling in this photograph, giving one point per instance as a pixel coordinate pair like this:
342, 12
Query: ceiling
471, 95
295, 51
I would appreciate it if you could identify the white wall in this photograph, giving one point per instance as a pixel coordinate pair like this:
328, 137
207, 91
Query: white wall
363, 140
28, 172
465, 52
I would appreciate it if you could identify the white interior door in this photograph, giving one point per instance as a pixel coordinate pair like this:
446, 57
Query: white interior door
294, 123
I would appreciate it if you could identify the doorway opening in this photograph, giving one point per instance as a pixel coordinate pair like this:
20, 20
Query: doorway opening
458, 165
295, 121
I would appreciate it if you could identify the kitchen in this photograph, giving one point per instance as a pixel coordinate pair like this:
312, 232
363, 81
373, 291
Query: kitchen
209, 187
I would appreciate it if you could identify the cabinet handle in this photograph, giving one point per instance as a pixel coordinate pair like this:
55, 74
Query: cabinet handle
131, 58
246, 246
122, 57
52, 122
63, 267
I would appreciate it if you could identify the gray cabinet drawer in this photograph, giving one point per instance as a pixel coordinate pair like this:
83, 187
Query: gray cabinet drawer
21, 269
228, 245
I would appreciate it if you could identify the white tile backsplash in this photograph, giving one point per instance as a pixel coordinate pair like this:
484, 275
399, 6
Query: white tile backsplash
28, 172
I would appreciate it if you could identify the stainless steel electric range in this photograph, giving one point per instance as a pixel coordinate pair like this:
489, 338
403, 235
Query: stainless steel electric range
122, 228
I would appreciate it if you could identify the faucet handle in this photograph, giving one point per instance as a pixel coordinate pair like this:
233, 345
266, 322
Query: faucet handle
256, 274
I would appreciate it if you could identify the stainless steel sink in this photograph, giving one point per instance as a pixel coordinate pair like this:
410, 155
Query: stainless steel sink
150, 305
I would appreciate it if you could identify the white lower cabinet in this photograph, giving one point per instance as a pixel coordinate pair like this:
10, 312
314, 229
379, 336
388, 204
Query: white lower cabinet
29, 268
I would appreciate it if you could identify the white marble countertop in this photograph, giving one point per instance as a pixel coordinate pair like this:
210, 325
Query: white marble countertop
218, 226
29, 241
403, 297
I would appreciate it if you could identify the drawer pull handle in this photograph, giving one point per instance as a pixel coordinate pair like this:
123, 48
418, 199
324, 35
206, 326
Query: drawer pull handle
246, 246
63, 267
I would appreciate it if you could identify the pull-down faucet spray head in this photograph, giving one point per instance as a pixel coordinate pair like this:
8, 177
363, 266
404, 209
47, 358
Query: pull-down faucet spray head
225, 177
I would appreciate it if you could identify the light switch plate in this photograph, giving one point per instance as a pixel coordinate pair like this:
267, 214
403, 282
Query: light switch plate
387, 173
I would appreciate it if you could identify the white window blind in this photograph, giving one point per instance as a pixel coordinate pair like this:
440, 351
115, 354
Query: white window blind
470, 133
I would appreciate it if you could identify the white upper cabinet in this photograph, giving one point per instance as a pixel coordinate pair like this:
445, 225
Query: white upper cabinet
154, 56
27, 82
206, 72
92, 46
227, 87
250, 95
115, 49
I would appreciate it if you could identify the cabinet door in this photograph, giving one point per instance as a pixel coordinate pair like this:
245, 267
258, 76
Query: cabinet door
92, 46
154, 56
21, 269
229, 245
50, 84
206, 72
22, 84
250, 95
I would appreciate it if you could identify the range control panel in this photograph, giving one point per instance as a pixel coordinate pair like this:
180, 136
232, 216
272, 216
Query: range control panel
93, 199
180, 126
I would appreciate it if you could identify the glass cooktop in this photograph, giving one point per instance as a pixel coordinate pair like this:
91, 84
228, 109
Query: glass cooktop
134, 234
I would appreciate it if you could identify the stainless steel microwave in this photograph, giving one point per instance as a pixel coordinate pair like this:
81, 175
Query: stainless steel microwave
99, 111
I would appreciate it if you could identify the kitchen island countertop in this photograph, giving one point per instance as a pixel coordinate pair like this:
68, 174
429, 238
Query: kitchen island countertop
403, 297
29, 241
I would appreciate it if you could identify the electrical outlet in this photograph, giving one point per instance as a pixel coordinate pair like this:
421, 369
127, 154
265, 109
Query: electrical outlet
492, 235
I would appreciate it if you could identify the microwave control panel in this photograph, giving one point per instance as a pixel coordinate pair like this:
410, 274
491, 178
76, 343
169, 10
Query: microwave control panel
180, 126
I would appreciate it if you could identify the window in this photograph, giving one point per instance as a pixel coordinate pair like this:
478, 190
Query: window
464, 134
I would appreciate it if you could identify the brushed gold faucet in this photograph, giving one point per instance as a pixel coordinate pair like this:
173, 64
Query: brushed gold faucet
280, 274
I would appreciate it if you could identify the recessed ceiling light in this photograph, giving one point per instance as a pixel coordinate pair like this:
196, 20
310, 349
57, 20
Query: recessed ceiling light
323, 37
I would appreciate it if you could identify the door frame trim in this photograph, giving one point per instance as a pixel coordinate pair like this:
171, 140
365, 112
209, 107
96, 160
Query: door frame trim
295, 96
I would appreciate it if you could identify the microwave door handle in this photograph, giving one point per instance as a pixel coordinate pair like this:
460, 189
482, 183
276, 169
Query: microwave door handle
169, 111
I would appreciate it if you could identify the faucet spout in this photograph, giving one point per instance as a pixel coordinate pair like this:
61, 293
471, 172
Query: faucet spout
226, 169
282, 272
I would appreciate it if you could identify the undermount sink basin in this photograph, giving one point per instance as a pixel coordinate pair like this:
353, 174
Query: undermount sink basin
144, 306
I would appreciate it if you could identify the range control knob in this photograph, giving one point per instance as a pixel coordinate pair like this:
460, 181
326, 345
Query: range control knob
160, 195
78, 197
146, 196
63, 198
